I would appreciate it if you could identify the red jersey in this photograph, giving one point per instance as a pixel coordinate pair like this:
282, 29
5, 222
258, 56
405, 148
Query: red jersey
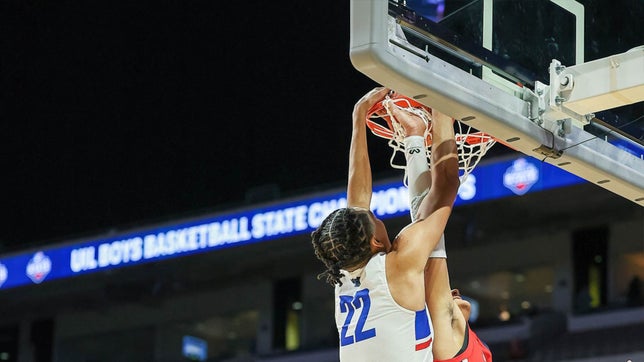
474, 350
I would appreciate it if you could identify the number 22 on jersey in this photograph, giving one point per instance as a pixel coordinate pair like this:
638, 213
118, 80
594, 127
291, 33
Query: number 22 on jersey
356, 308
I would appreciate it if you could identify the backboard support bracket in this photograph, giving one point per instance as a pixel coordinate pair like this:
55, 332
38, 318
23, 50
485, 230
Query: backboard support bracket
548, 152
581, 90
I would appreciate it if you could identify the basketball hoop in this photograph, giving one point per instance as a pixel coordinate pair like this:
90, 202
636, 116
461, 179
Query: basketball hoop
472, 145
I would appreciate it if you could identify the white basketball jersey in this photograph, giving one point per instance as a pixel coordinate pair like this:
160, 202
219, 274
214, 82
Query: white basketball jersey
372, 326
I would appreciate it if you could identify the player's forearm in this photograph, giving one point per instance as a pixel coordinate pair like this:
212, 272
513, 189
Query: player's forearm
359, 187
437, 286
444, 158
417, 171
444, 311
360, 183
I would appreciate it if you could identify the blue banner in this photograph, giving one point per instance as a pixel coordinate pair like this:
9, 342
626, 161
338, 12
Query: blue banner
487, 181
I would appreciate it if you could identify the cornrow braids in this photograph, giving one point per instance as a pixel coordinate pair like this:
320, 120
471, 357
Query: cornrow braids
342, 241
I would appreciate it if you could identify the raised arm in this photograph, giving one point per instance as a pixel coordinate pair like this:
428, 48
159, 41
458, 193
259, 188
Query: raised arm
448, 321
415, 243
444, 165
359, 188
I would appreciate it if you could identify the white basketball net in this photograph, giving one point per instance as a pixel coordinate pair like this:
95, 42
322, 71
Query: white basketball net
471, 144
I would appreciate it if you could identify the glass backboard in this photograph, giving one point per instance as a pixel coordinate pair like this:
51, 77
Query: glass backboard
559, 80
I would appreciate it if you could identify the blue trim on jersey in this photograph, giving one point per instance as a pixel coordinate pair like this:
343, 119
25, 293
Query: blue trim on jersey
422, 325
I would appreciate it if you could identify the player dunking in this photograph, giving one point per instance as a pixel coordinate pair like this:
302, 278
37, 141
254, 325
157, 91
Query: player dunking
380, 308
454, 340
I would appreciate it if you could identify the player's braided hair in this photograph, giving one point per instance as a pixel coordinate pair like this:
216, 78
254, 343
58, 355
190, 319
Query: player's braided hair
342, 241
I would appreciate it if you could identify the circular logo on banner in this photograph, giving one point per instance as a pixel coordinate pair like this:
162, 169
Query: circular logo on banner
38, 267
520, 177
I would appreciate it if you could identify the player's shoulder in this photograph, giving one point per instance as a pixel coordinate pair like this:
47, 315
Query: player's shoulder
408, 229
